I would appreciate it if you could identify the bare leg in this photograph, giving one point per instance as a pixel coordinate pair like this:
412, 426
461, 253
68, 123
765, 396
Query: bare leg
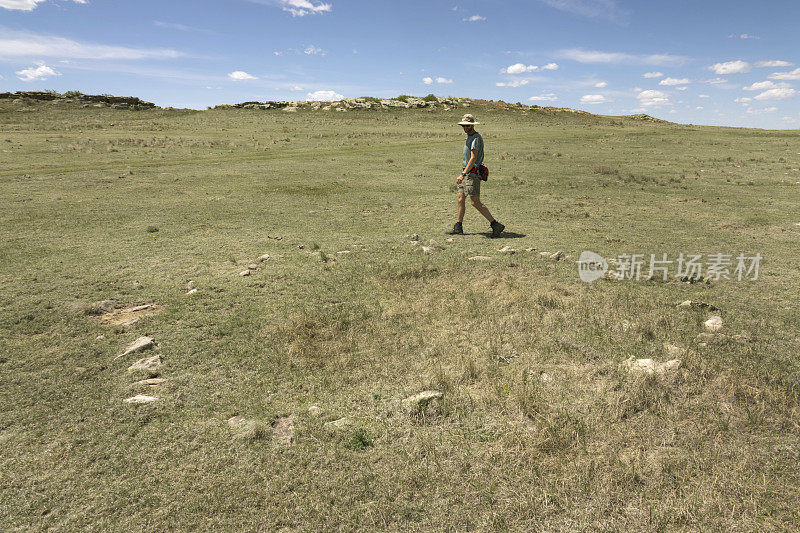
462, 207
482, 209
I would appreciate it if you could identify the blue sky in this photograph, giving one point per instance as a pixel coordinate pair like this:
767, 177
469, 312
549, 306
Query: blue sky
730, 62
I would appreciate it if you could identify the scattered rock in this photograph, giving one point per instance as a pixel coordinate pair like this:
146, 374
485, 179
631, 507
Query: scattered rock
140, 398
343, 252
283, 430
189, 285
544, 254
148, 365
714, 323
673, 351
140, 344
152, 381
103, 306
544, 377
236, 421
530, 249
422, 399
337, 424
263, 258
129, 315
557, 256
648, 366
698, 305
450, 239
479, 258
507, 250
429, 249
413, 237
100, 337
315, 411
252, 266
191, 291
244, 273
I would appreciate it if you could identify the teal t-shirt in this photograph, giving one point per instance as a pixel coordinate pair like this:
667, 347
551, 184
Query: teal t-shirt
474, 142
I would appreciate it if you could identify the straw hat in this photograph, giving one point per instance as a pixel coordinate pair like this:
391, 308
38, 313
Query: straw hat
468, 120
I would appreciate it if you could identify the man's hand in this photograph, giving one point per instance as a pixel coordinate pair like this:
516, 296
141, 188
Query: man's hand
459, 179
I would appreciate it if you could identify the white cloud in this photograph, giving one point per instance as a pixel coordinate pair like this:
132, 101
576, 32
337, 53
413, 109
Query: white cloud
776, 94
674, 81
300, 8
761, 111
474, 18
40, 72
600, 9
652, 74
681, 88
443, 80
600, 84
296, 88
773, 63
593, 99
519, 68
26, 44
743, 100
324, 96
240, 75
731, 67
312, 50
716, 81
550, 66
762, 85
549, 97
596, 56
27, 5
792, 75
653, 98
512, 83
703, 96
699, 108
748, 36
427, 81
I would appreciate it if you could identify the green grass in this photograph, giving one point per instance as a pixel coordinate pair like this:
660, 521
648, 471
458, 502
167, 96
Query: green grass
99, 204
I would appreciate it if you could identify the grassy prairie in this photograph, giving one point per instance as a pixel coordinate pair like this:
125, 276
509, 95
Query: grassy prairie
539, 427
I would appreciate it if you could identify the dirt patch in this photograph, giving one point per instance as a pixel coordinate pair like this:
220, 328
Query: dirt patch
129, 315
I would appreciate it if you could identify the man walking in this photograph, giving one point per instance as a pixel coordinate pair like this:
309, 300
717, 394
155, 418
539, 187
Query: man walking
469, 182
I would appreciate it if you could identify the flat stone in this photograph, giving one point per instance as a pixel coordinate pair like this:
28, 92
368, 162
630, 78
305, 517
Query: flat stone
672, 350
100, 337
252, 266
140, 398
413, 237
428, 249
714, 323
148, 364
191, 291
189, 285
556, 256
336, 424
315, 411
263, 258
450, 239
698, 305
530, 249
343, 252
283, 430
140, 344
649, 366
544, 254
479, 258
544, 377
151, 381
140, 308
423, 398
236, 421
507, 250
244, 273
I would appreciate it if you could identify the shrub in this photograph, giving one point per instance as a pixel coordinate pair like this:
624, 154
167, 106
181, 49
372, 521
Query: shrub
430, 98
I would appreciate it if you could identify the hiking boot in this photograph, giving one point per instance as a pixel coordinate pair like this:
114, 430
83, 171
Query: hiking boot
457, 229
497, 228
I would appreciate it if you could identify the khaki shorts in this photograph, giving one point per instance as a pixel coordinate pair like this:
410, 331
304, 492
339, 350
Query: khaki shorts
470, 185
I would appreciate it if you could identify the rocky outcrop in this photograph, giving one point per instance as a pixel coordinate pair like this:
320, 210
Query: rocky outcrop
116, 102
